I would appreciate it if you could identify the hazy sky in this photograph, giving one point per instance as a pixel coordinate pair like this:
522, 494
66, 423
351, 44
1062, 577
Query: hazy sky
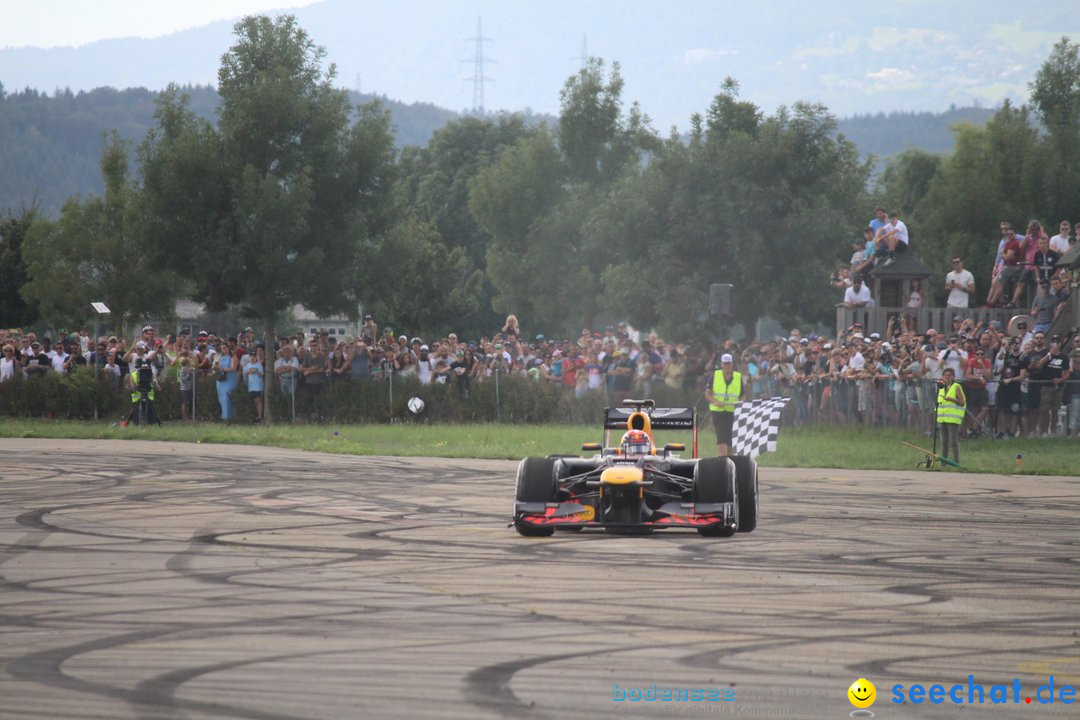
854, 56
51, 23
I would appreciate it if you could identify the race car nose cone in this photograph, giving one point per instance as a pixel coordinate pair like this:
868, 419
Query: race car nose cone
621, 476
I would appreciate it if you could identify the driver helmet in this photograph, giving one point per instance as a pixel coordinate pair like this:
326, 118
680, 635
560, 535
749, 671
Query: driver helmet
636, 442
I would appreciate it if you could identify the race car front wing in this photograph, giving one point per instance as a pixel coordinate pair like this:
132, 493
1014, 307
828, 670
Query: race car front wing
669, 515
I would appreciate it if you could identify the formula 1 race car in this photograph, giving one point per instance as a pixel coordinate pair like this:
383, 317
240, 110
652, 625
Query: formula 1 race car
637, 487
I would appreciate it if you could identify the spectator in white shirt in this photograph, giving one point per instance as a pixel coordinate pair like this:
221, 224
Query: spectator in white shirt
960, 283
858, 295
893, 238
1060, 242
953, 356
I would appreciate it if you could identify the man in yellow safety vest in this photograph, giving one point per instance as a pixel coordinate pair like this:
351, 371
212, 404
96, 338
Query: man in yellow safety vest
950, 412
727, 388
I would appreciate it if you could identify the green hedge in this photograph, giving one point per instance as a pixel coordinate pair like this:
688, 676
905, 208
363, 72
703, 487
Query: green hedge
71, 397
519, 400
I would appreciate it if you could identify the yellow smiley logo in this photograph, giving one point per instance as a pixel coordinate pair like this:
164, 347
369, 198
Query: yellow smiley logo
862, 693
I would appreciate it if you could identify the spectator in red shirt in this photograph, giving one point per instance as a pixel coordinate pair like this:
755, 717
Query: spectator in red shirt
1030, 244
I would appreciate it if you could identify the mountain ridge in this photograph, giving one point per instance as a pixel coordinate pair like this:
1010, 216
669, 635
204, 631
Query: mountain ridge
920, 55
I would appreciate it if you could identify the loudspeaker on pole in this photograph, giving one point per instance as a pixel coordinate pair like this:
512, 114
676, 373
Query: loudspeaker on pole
720, 299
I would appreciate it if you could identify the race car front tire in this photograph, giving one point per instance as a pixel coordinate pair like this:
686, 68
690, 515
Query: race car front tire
746, 476
535, 483
715, 482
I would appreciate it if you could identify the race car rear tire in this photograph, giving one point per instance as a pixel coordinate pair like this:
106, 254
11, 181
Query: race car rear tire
715, 482
746, 476
535, 483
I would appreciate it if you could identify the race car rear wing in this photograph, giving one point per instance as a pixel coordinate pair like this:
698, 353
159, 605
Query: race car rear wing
660, 418
617, 418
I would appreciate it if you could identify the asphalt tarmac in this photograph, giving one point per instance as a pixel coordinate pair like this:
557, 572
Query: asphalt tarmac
172, 581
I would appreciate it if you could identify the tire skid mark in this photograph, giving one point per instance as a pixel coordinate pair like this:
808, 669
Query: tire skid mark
488, 687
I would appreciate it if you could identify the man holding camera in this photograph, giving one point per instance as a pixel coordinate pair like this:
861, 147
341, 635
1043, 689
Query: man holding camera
1009, 398
960, 283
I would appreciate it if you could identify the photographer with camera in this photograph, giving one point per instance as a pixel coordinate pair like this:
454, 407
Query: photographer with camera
140, 382
1009, 398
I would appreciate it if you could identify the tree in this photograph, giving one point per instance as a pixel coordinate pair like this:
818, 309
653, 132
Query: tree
907, 179
1055, 93
508, 199
99, 250
758, 202
417, 282
537, 201
271, 207
989, 177
15, 310
597, 140
433, 187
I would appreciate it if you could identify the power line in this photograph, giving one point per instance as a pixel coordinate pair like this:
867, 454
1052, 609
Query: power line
478, 60
584, 57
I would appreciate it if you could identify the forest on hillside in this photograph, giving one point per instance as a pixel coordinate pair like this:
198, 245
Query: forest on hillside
53, 142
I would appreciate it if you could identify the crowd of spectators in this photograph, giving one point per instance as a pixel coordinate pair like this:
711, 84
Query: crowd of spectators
1016, 384
1022, 265
1025, 263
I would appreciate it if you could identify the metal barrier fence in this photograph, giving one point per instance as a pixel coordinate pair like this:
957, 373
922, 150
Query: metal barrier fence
515, 399
883, 402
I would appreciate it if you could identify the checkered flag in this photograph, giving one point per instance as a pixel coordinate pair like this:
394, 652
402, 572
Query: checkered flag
757, 425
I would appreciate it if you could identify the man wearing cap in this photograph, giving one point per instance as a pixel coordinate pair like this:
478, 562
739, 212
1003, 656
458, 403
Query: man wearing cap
950, 413
726, 389
36, 361
1023, 334
953, 356
423, 364
148, 335
1009, 398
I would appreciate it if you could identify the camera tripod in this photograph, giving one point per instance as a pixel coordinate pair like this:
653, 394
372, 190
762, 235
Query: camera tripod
144, 412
